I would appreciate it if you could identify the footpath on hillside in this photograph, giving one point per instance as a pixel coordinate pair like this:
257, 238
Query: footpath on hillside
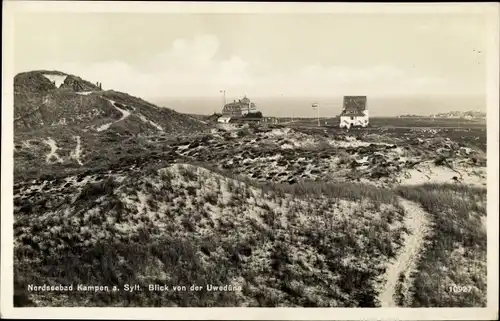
417, 222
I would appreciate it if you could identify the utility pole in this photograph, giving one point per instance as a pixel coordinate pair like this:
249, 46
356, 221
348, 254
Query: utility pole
316, 105
223, 92
318, 115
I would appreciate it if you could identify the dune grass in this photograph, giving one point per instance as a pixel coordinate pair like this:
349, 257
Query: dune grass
456, 250
191, 226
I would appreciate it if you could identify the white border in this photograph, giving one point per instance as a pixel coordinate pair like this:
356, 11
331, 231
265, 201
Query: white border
246, 7
491, 10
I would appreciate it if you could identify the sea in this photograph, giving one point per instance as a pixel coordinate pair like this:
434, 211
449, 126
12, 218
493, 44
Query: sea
330, 106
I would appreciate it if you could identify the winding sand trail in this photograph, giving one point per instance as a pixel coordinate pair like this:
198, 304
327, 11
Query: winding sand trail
417, 222
125, 114
53, 149
78, 150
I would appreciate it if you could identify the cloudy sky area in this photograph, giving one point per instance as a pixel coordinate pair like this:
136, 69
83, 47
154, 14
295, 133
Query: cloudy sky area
196, 55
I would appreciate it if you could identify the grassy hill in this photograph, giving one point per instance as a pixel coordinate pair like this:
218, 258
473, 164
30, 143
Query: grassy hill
39, 104
185, 225
112, 190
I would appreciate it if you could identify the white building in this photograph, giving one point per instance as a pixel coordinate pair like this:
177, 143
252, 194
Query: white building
354, 112
237, 109
247, 107
241, 107
224, 119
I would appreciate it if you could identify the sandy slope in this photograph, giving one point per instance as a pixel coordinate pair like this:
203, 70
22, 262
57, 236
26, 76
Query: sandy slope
427, 172
58, 80
125, 114
417, 222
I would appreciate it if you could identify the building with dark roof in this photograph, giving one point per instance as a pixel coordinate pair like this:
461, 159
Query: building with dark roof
239, 108
354, 112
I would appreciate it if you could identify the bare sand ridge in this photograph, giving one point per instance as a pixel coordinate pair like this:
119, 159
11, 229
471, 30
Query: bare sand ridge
58, 80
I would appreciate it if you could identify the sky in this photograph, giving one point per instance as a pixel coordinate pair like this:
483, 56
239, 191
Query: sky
164, 55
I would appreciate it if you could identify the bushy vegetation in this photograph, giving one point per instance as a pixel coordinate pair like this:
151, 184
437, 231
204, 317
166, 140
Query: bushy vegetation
292, 215
154, 228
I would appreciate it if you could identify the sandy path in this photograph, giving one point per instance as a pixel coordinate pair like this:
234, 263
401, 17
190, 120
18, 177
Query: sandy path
125, 114
53, 149
417, 222
144, 119
78, 150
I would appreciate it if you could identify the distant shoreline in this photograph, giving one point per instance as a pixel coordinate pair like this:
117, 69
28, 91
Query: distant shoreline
332, 106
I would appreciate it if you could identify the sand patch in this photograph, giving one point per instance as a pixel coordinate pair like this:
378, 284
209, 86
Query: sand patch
58, 80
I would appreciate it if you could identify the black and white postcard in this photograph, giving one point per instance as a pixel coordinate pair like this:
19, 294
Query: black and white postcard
338, 158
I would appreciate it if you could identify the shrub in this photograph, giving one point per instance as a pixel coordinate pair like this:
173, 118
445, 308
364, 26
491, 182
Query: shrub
92, 191
211, 198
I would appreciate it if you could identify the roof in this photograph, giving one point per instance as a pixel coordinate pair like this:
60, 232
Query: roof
354, 106
241, 102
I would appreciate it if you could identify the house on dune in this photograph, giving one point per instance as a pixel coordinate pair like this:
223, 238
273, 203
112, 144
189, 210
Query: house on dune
354, 112
237, 110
